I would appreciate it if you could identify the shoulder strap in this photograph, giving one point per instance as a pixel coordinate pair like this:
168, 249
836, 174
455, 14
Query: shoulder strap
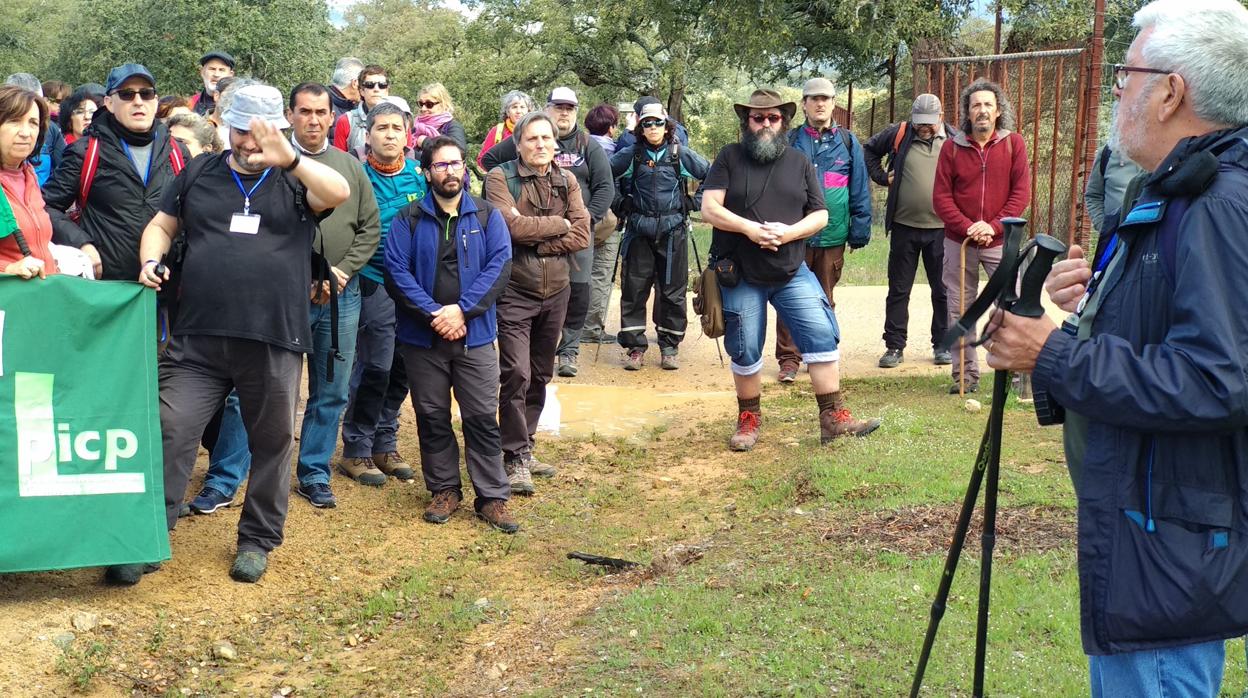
900, 136
1102, 163
86, 175
175, 157
512, 172
483, 211
847, 139
582, 142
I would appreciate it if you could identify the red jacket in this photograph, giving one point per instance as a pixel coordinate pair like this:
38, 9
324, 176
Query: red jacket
981, 184
32, 219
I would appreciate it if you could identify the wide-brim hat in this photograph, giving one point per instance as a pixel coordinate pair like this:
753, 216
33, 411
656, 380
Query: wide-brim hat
766, 99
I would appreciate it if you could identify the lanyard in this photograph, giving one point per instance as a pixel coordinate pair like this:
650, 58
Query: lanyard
146, 175
1098, 274
247, 194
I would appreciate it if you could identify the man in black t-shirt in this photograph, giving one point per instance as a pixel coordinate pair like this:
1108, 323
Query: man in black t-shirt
764, 199
249, 216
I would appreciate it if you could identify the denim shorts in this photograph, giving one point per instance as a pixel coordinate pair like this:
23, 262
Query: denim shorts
802, 305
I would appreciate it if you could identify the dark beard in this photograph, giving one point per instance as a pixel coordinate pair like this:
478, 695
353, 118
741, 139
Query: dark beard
443, 191
763, 150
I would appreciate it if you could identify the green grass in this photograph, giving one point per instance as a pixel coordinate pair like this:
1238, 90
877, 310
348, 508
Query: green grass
863, 267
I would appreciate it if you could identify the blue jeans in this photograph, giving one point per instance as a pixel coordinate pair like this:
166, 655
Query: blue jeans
326, 401
1191, 671
802, 306
378, 381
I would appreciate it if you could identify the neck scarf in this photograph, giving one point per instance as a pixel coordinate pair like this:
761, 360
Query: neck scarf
105, 119
430, 125
509, 127
383, 168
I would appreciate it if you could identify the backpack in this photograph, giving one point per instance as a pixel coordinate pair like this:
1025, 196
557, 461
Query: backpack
622, 206
511, 169
91, 166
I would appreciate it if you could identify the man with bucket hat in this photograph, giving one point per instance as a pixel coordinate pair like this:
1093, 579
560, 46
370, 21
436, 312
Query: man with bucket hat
764, 200
249, 216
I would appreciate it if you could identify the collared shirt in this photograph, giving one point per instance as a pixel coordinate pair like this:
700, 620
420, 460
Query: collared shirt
295, 142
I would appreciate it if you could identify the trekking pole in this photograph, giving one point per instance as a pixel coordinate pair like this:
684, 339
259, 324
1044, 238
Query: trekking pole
610, 288
961, 310
988, 459
697, 259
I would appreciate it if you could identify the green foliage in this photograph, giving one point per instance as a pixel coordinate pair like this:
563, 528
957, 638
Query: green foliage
82, 665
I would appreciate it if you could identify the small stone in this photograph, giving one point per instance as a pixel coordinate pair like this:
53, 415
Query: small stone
84, 622
793, 444
972, 405
184, 691
481, 602
496, 672
63, 640
353, 640
632, 633
285, 691
223, 649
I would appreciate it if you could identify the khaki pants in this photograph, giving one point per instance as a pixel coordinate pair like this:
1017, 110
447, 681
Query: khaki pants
964, 358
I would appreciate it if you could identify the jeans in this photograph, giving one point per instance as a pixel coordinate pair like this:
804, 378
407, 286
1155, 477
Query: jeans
826, 263
1191, 671
231, 457
378, 381
800, 303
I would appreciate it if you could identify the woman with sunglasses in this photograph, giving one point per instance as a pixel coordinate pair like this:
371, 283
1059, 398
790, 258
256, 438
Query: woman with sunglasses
653, 180
350, 131
436, 116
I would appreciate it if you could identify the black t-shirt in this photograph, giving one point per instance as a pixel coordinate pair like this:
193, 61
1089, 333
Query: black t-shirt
446, 278
249, 286
785, 191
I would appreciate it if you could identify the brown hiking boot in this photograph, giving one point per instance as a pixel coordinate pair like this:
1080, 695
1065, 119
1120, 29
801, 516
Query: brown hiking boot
392, 464
834, 423
362, 471
747, 431
538, 468
788, 372
495, 513
518, 476
443, 505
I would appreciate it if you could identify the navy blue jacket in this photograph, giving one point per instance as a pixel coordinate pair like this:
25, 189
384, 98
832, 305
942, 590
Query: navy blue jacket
657, 192
411, 253
1163, 496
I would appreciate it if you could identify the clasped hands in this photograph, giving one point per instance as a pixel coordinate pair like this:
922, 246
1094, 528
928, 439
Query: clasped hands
769, 236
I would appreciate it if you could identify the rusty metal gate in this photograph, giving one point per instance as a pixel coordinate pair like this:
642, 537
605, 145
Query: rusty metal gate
1055, 96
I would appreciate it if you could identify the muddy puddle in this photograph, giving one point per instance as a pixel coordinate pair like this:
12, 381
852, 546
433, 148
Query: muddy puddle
582, 410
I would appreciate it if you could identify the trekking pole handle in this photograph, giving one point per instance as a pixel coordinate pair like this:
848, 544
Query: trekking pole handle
1047, 250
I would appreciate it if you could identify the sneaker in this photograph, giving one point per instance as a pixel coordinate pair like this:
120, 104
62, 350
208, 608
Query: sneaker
941, 357
747, 431
891, 359
538, 468
249, 566
319, 494
443, 505
669, 362
519, 476
392, 464
128, 575
971, 386
363, 471
567, 366
635, 359
209, 500
495, 513
834, 423
788, 372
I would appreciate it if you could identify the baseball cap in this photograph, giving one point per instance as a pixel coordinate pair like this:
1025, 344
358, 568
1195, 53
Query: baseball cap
255, 101
926, 110
124, 72
819, 87
219, 55
653, 110
398, 102
562, 95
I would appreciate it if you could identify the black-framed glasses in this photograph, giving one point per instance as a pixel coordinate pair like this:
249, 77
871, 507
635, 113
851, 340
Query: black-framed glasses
1120, 73
443, 167
146, 94
375, 85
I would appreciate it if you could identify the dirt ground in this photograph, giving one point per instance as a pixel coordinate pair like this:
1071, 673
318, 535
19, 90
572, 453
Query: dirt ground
162, 635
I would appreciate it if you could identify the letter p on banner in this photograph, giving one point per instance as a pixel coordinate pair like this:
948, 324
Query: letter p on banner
81, 480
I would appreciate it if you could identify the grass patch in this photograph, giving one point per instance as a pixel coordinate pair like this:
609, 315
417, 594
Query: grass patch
82, 665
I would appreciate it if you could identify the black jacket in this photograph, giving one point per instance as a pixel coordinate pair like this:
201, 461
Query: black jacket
589, 162
119, 206
881, 145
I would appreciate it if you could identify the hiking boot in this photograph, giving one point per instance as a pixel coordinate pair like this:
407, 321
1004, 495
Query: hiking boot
249, 566
443, 505
392, 464
209, 500
788, 372
891, 359
519, 476
495, 513
669, 362
635, 359
128, 575
538, 468
834, 423
747, 431
567, 366
971, 386
363, 471
318, 494
941, 357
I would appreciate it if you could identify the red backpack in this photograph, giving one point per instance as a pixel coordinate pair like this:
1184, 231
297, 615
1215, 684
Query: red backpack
91, 165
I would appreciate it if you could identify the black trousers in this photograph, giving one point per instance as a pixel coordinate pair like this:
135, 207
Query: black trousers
661, 264
906, 247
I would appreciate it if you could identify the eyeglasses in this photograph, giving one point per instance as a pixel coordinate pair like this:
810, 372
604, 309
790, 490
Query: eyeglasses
442, 167
147, 94
766, 118
1120, 73
429, 104
83, 112
375, 85
653, 124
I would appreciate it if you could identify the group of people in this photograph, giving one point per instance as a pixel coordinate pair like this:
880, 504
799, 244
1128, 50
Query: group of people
355, 239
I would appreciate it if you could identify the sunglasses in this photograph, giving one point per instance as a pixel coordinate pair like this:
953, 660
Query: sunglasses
375, 85
429, 104
651, 123
147, 94
766, 118
442, 167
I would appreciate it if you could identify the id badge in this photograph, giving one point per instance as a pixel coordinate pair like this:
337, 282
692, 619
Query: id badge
247, 224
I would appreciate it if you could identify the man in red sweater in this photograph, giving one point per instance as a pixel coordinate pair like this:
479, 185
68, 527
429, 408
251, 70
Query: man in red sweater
981, 177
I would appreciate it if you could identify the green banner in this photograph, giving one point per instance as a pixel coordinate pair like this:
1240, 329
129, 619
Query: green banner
81, 481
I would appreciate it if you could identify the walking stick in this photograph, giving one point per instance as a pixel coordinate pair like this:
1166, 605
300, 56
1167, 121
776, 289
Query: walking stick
961, 310
697, 258
610, 287
988, 459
